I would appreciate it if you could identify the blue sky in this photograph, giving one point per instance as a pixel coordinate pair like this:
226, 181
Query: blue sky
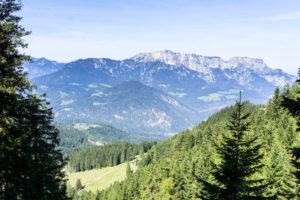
65, 30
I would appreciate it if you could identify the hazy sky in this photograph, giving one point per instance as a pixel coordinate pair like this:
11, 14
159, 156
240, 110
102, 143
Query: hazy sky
65, 30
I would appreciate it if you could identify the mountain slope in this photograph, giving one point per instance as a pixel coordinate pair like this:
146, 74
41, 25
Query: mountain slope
41, 66
129, 105
78, 135
205, 84
153, 111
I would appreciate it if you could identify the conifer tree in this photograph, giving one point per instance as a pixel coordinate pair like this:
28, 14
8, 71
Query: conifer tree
292, 103
45, 178
13, 86
282, 179
180, 185
141, 153
30, 164
78, 185
274, 105
240, 160
128, 170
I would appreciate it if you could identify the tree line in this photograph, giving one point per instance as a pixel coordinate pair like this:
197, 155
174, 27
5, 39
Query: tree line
107, 155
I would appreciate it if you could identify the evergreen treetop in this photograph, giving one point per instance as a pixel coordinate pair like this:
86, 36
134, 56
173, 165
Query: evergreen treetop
240, 160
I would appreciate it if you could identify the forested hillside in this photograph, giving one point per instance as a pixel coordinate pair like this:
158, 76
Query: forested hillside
78, 135
107, 155
176, 168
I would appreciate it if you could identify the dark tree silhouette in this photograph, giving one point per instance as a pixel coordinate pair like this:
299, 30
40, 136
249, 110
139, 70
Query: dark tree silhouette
30, 164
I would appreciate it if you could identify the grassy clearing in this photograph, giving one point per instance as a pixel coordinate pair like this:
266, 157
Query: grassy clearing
211, 97
97, 94
178, 94
66, 102
92, 85
99, 103
98, 179
217, 96
67, 109
63, 94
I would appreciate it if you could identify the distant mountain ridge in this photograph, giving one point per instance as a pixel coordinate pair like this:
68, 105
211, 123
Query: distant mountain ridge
104, 90
41, 66
205, 64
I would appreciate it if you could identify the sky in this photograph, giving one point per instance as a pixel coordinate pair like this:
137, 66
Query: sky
65, 30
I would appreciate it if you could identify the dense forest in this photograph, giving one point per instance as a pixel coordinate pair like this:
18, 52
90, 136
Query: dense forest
194, 164
107, 155
74, 137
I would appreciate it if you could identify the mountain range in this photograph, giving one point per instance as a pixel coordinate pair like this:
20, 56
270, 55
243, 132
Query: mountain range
157, 93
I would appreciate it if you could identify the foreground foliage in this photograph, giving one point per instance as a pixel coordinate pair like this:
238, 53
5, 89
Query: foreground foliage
30, 164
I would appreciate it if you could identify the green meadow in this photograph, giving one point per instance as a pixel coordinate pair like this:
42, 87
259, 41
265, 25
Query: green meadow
98, 179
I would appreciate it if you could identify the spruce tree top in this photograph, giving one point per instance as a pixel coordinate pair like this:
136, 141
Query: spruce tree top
12, 77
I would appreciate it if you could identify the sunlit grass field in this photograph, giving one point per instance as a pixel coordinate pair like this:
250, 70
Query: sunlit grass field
98, 179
